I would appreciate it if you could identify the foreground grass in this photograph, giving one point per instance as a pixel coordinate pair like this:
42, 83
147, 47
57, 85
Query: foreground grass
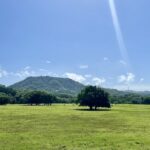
64, 127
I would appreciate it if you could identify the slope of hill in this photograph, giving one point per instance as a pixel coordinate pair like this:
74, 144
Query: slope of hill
66, 88
49, 84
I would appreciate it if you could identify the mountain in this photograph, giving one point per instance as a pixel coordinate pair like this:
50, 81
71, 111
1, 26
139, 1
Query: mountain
49, 84
67, 86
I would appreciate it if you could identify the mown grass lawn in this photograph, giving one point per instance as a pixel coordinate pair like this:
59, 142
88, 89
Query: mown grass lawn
64, 127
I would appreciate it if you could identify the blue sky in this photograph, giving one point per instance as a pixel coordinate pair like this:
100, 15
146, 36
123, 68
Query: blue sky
102, 42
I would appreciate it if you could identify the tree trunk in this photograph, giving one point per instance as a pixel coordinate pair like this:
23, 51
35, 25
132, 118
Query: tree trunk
95, 107
91, 108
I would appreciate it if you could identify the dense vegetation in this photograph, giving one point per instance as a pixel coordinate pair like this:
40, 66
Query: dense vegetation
39, 97
64, 92
93, 96
4, 98
50, 84
7, 95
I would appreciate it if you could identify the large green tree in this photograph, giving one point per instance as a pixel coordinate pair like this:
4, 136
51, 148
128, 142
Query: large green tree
94, 97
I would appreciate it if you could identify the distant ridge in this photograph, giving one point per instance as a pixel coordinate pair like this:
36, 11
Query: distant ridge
49, 84
67, 86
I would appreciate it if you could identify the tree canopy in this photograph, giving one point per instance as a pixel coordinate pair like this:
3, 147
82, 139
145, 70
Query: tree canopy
93, 96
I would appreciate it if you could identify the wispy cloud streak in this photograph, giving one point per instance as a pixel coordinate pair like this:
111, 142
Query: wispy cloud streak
121, 43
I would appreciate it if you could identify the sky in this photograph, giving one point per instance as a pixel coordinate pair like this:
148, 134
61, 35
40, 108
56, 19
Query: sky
99, 42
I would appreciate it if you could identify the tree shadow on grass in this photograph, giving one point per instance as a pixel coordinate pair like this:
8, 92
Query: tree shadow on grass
86, 109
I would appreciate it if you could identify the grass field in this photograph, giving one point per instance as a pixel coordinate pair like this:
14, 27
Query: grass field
64, 127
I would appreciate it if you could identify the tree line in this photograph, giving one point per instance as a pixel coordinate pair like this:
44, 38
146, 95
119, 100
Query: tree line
11, 96
85, 97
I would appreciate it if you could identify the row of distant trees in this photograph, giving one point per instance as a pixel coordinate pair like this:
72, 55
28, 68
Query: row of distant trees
11, 96
32, 98
130, 98
91, 96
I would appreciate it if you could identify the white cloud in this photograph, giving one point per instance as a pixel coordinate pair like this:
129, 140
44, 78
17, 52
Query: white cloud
43, 70
48, 62
142, 79
3, 73
98, 81
26, 72
128, 78
88, 76
83, 66
76, 77
106, 58
27, 68
123, 62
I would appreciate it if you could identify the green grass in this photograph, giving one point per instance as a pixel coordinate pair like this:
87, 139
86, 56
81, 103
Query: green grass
62, 127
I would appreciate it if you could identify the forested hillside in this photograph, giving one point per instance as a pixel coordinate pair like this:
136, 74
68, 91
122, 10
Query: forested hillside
50, 84
65, 91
